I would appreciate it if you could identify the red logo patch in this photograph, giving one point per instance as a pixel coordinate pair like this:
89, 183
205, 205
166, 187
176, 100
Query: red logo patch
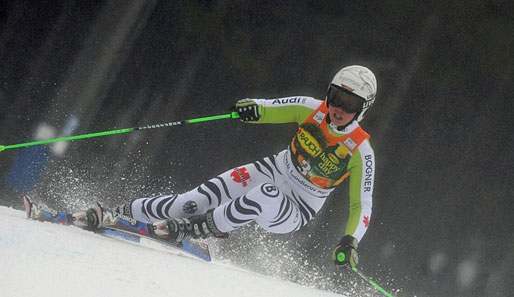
240, 175
366, 221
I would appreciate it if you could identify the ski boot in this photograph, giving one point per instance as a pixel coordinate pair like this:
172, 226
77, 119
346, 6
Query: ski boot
124, 209
179, 230
87, 220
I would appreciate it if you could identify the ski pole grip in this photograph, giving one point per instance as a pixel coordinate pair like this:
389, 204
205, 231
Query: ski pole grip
341, 257
2, 148
234, 115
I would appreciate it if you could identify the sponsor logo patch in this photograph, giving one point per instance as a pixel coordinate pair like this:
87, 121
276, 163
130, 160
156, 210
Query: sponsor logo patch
240, 175
270, 190
318, 117
350, 143
309, 143
293, 100
368, 177
190, 207
366, 221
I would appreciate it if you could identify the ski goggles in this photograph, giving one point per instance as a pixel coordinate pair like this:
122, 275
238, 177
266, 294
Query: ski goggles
348, 101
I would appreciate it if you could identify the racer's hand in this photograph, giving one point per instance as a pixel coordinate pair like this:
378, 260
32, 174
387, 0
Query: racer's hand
248, 110
345, 253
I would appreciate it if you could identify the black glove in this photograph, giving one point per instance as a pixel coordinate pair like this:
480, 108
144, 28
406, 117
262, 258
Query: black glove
247, 110
345, 252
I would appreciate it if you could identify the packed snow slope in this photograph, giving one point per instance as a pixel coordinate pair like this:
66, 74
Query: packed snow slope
42, 258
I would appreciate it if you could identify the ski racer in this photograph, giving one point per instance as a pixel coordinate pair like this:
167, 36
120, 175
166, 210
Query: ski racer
283, 192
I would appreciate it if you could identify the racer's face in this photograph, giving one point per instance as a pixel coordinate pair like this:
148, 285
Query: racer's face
340, 117
343, 105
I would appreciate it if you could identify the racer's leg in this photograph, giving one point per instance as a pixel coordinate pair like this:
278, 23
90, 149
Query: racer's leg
274, 209
266, 204
213, 193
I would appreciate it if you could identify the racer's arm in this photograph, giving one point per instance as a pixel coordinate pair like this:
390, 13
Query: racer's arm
362, 171
284, 110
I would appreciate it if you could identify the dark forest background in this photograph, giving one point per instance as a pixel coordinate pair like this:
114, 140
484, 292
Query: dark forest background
441, 126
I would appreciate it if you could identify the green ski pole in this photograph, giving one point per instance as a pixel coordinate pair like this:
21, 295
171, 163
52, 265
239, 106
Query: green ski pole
369, 281
232, 115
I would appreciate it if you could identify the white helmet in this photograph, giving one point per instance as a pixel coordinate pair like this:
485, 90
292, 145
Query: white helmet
360, 81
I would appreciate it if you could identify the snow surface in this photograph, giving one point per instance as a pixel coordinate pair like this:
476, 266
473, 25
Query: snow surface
44, 259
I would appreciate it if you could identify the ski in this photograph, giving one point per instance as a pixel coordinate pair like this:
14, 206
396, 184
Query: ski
115, 226
114, 221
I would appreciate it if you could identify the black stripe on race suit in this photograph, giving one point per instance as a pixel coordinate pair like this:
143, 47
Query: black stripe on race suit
252, 203
272, 159
284, 220
311, 211
203, 192
288, 210
232, 218
166, 211
148, 207
160, 206
306, 210
242, 210
256, 164
281, 207
212, 186
143, 210
224, 184
265, 164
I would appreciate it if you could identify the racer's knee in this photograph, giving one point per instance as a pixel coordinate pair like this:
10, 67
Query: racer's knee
279, 214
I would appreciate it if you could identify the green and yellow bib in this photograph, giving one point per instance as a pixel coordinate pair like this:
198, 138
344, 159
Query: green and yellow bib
320, 156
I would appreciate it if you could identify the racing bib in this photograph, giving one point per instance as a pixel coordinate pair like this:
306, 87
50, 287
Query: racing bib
321, 157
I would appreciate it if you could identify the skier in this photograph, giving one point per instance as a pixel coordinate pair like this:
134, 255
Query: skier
283, 192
